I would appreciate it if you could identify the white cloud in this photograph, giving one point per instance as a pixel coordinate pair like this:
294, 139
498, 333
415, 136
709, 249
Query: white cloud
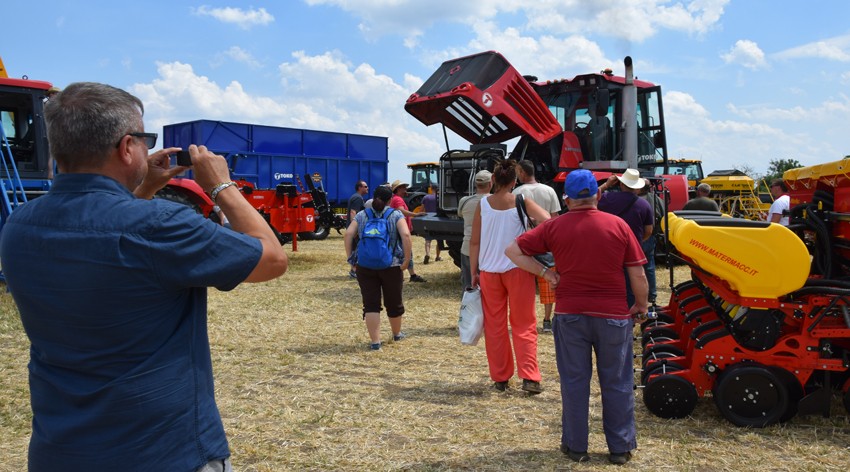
240, 55
245, 19
746, 53
631, 20
323, 92
757, 135
833, 49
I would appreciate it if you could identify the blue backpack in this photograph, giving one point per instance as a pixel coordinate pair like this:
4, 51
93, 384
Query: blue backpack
373, 250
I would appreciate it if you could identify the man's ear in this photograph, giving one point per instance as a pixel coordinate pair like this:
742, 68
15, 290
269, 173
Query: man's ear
124, 151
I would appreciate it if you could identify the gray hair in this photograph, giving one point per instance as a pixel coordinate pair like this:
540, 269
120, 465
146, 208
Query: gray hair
704, 189
86, 121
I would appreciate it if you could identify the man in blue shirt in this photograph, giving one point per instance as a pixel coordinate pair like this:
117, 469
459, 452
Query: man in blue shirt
112, 290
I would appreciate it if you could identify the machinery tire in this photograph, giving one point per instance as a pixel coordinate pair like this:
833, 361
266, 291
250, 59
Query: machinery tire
415, 202
660, 351
751, 395
168, 193
656, 333
454, 251
795, 392
661, 319
670, 396
663, 367
320, 234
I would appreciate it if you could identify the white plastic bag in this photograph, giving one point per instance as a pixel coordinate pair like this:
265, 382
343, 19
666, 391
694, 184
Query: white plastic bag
470, 324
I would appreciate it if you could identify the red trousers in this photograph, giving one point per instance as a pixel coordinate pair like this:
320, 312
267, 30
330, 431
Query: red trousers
500, 293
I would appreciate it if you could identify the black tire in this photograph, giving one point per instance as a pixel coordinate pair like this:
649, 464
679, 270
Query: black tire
751, 395
656, 333
663, 367
670, 396
321, 233
168, 193
660, 351
454, 251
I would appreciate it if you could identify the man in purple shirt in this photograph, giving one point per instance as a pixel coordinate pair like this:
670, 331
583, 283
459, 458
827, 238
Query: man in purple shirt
627, 204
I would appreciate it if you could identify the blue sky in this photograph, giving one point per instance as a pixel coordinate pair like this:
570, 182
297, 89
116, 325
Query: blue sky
744, 81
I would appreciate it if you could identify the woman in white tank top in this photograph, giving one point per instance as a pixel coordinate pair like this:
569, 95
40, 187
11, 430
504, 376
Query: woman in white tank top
507, 292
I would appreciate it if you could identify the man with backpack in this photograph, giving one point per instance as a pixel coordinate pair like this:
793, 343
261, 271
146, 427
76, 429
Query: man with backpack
383, 254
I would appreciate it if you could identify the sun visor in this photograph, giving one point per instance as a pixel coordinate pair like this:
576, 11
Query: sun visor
483, 99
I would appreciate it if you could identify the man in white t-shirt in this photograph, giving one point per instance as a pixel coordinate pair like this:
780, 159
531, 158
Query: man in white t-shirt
546, 197
781, 203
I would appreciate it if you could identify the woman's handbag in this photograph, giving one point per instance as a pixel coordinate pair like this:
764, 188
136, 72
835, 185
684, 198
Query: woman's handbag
547, 259
470, 324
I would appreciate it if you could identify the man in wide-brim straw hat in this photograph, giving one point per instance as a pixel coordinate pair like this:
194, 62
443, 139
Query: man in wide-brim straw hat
628, 205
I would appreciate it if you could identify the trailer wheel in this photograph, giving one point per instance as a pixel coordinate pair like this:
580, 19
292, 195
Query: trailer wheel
670, 396
168, 193
321, 233
751, 395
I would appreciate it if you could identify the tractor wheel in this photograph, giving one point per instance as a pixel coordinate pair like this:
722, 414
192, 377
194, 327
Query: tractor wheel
168, 193
657, 334
670, 396
751, 395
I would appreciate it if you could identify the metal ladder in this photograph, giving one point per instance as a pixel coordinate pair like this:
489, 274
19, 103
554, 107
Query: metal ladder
12, 192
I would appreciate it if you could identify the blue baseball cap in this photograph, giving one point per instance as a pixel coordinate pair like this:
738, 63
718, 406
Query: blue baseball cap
580, 184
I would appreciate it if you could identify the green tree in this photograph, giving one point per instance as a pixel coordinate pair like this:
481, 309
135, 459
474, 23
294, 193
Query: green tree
777, 167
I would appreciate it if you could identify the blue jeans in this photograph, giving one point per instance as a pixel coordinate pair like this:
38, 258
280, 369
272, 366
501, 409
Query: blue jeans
649, 268
576, 338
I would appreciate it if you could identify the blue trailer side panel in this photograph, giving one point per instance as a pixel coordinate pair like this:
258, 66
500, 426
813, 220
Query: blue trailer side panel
269, 155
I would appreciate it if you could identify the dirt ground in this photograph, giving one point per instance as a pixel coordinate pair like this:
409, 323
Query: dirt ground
299, 390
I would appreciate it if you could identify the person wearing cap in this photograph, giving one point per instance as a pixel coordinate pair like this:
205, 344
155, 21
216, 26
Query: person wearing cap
399, 190
628, 205
507, 293
546, 197
466, 209
591, 250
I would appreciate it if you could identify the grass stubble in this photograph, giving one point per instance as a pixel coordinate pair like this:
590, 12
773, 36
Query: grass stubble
299, 390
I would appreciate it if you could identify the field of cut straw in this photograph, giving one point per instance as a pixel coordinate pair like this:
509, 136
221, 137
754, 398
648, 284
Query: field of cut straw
299, 390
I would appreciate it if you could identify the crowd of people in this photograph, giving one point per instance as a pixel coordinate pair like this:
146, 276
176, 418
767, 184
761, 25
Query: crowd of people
132, 371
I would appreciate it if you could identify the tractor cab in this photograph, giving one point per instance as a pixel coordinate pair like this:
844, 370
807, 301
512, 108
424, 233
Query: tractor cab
23, 135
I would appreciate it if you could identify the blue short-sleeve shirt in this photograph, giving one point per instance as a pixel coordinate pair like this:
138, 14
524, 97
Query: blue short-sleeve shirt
112, 294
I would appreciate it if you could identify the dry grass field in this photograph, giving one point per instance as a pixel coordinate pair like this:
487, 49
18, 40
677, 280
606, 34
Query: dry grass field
299, 390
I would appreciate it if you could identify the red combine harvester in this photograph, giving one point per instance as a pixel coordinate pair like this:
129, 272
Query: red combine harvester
601, 122
763, 327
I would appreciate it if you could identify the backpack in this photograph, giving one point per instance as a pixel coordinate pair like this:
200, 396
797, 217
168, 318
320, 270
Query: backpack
373, 250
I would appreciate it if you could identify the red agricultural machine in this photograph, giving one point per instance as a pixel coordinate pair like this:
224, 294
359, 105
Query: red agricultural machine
763, 327
291, 212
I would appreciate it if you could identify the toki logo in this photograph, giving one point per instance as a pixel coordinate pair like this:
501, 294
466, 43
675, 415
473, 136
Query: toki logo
280, 176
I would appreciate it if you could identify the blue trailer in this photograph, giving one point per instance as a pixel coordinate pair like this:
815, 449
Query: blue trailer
268, 155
